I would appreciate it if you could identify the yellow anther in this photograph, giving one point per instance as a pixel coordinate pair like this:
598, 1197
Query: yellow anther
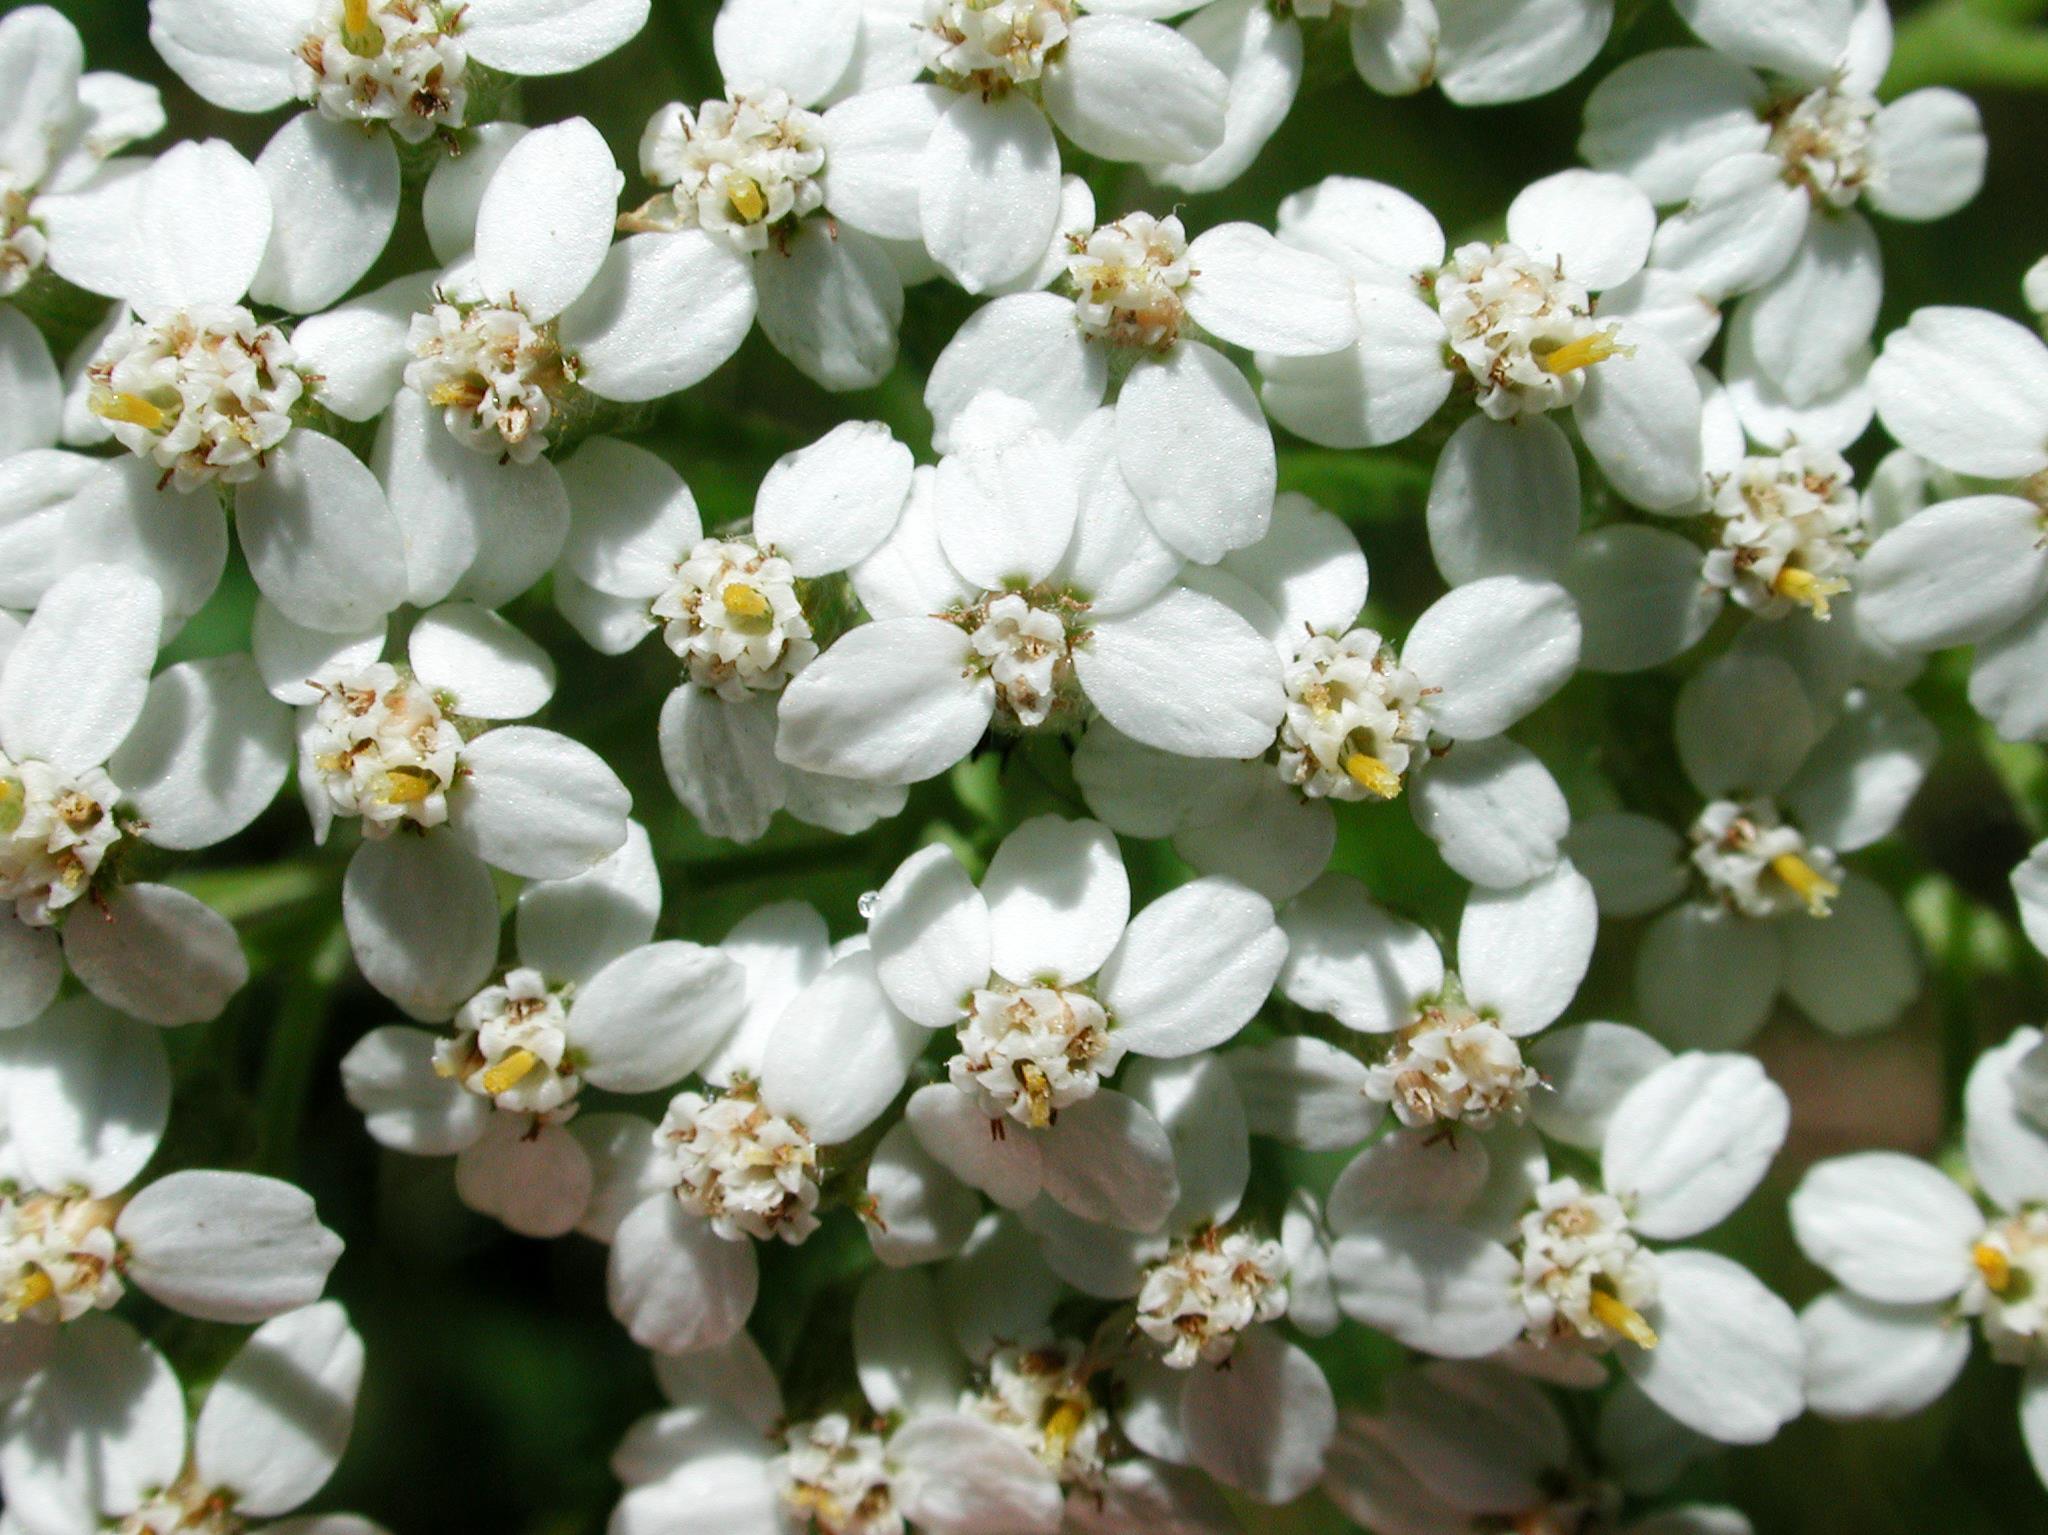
1372, 775
1617, 1316
1063, 1425
1994, 1265
363, 37
12, 801
407, 786
464, 392
745, 195
1038, 1093
1808, 589
1584, 352
1807, 882
29, 1292
131, 408
509, 1072
828, 1513
744, 601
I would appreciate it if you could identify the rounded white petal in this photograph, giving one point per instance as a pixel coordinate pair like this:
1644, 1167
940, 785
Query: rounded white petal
157, 954
1857, 970
488, 668
1490, 51
963, 1140
1196, 451
1346, 957
675, 1283
545, 222
1523, 951
1804, 41
2008, 1152
406, 1105
321, 539
840, 1054
929, 933
429, 969
86, 1094
1262, 1425
522, 37
455, 188
1716, 717
1868, 1360
957, 1475
1706, 977
359, 349
1957, 573
1598, 226
1642, 595
1588, 1069
1058, 900
1108, 1160
1667, 117
874, 145
1214, 928
1497, 648
1888, 1226
1433, 1286
1691, 1140
632, 518
1967, 389
1807, 327
1728, 1358
1305, 1092
662, 311
207, 755
989, 188
1504, 500
1006, 509
800, 46
278, 1417
202, 221
334, 193
535, 1182
891, 702
538, 804
1738, 229
76, 680
1260, 55
654, 1015
1256, 292
1375, 392
1640, 418
227, 1247
1029, 344
1127, 89
921, 1212
831, 301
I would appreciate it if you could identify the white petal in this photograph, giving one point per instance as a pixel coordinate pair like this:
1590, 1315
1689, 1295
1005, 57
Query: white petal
39, 490
1409, 1173
227, 1247
874, 145
1668, 307
906, 1363
41, 59
989, 188
29, 387
551, 37
1691, 1141
1958, 573
538, 804
1866, 1360
921, 1212
1377, 391
277, 1419
1803, 41
1642, 595
1667, 117
1214, 928
891, 702
2034, 1417
1195, 1101
1432, 1286
545, 223
535, 1182
208, 754
1714, 722
1260, 55
1598, 226
293, 661
445, 497
1587, 1070
389, 1075
1031, 343
720, 760
1509, 50
1927, 154
1127, 89
1006, 511
1808, 325
633, 518
801, 46
1522, 952
1739, 228
661, 313
202, 223
2008, 1152
157, 954
1728, 1355
1497, 648
1348, 958
1261, 1425
1133, 665
624, 1169
1196, 451
87, 1096
1504, 500
841, 1053
1477, 1435
429, 969
1058, 899
1394, 47
1858, 969
1253, 291
76, 679
236, 56
957, 1475
359, 349
929, 933
31, 970
1640, 418
654, 1015
455, 188
831, 301
1706, 977
1888, 1226
1108, 1160
2030, 889
1304, 1092
334, 192
1377, 234
88, 227
675, 1283
321, 540
489, 669
1308, 567
1967, 389
2006, 679
975, 1149
1114, 559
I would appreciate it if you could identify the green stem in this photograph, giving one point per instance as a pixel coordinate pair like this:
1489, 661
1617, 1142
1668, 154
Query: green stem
294, 1049
241, 894
1970, 43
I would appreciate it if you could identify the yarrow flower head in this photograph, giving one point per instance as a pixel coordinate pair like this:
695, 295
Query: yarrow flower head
400, 64
1759, 866
739, 168
732, 615
1790, 528
1210, 1289
379, 747
492, 371
1127, 280
738, 1165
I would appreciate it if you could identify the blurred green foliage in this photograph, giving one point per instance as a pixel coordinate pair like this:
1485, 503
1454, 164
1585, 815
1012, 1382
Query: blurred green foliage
498, 1383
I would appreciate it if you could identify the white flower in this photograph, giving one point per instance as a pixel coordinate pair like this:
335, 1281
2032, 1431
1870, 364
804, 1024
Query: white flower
415, 68
1968, 391
1561, 1263
1518, 325
1049, 983
1788, 790
58, 177
1022, 590
96, 757
1363, 721
442, 792
969, 164
1189, 437
739, 609
86, 1094
1918, 1258
273, 1426
1771, 172
592, 1001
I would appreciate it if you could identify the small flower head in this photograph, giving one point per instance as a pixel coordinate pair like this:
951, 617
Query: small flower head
736, 1163
734, 616
1041, 1397
381, 748
396, 62
833, 1478
1029, 1051
990, 45
56, 829
1197, 1300
1025, 642
58, 1256
1356, 718
1586, 1279
1756, 864
1521, 329
1789, 528
2008, 1292
1824, 138
23, 246
496, 374
511, 1045
739, 168
1453, 1064
1128, 280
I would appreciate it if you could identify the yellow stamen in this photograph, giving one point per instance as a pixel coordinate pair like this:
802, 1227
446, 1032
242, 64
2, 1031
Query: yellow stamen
1062, 1426
1808, 589
1617, 1316
1038, 1092
1807, 882
828, 1511
12, 799
744, 601
131, 408
744, 193
363, 37
1994, 1265
29, 1292
1372, 775
1584, 352
407, 786
461, 391
508, 1072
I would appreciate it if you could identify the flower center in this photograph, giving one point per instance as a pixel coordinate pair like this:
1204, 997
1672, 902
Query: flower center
1523, 331
56, 829
497, 375
989, 45
22, 245
1355, 720
1197, 1299
381, 748
1585, 1277
204, 393
1128, 278
835, 1479
511, 1045
1452, 1064
2009, 1292
186, 1508
738, 168
1040, 1396
1027, 1052
733, 614
1025, 642
1760, 866
747, 1170
58, 1257
1790, 526
1824, 139
396, 62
